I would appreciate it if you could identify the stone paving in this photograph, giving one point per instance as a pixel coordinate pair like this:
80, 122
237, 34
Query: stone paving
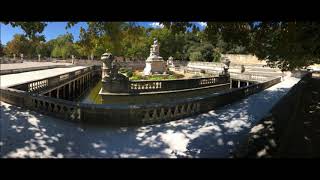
27, 134
18, 78
29, 65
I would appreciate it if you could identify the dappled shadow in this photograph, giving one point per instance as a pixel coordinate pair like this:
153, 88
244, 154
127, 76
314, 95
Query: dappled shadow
296, 133
25, 133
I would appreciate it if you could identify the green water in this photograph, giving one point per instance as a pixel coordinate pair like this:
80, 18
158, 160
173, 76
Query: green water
92, 96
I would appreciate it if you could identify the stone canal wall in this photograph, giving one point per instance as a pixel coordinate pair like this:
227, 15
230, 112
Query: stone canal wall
124, 115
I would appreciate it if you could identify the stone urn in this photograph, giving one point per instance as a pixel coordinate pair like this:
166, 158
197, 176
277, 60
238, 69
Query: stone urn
112, 81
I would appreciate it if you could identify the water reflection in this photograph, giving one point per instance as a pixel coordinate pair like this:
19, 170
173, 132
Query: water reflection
93, 97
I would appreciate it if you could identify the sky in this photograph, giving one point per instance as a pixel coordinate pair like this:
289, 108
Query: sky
54, 29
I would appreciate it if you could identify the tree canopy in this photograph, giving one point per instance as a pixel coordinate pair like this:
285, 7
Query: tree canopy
32, 29
287, 45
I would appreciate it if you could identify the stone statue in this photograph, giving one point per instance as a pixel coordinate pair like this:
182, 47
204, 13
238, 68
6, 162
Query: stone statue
14, 56
155, 63
170, 61
21, 55
242, 69
107, 59
39, 57
154, 50
226, 63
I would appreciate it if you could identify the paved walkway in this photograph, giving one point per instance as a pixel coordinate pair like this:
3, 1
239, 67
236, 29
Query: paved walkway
26, 133
29, 65
18, 78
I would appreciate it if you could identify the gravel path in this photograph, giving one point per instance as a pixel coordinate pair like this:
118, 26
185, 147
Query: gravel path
25, 133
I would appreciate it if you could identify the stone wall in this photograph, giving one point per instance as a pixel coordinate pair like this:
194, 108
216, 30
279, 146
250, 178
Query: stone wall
272, 131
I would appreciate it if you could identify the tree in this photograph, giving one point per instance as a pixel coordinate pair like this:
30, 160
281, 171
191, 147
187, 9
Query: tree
1, 50
165, 39
19, 44
31, 29
203, 51
287, 45
63, 46
177, 27
102, 35
134, 42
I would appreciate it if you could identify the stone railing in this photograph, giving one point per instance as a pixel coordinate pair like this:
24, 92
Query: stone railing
52, 82
164, 112
55, 107
169, 85
217, 66
240, 76
250, 77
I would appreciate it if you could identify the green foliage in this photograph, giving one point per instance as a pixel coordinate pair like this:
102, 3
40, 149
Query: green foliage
196, 56
19, 44
1, 50
216, 56
176, 27
203, 52
287, 45
156, 77
129, 74
134, 43
31, 29
63, 46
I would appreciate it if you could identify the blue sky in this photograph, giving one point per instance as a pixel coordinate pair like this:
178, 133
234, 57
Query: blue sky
54, 29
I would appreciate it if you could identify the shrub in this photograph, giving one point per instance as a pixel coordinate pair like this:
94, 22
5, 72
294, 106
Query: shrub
216, 56
195, 56
129, 73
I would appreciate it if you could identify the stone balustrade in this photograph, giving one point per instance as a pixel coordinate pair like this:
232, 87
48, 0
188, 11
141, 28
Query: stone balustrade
169, 85
52, 82
128, 114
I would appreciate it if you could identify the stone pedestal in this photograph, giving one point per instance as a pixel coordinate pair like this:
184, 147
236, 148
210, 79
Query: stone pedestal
155, 67
155, 63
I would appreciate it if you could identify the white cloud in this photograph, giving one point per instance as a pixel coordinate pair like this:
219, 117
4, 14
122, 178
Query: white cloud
156, 25
203, 24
